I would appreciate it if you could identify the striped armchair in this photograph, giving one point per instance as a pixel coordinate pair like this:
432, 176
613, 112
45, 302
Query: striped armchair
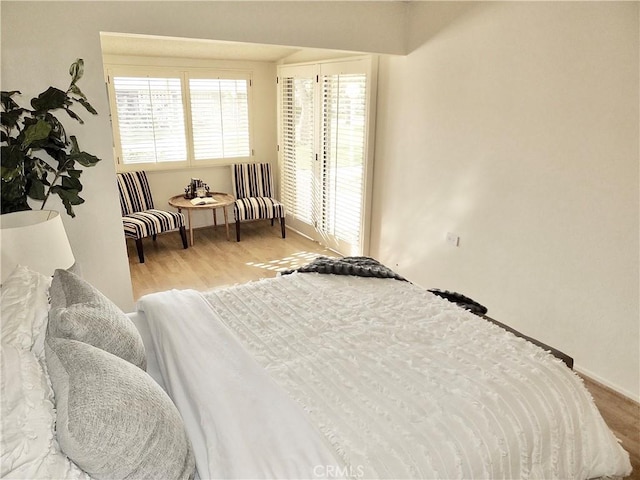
139, 217
253, 185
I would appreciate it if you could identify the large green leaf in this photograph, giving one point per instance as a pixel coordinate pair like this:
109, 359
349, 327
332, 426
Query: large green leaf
57, 153
36, 189
69, 198
12, 156
74, 144
10, 119
74, 115
87, 105
71, 183
12, 193
82, 99
39, 131
9, 174
51, 99
13, 198
57, 130
85, 159
76, 70
7, 102
74, 173
76, 91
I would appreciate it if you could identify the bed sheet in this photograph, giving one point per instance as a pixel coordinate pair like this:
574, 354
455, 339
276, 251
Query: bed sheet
153, 369
241, 425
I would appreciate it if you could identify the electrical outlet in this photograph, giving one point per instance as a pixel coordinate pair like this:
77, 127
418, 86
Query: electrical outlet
453, 239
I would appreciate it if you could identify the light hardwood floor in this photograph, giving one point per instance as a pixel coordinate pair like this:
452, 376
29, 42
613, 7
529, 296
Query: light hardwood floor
213, 261
623, 417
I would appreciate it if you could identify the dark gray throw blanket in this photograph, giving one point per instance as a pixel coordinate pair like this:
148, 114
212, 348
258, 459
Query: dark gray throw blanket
357, 266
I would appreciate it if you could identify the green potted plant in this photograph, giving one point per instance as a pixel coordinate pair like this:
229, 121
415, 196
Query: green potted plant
38, 158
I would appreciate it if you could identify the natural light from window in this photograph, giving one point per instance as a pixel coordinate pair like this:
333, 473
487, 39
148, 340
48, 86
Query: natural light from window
290, 262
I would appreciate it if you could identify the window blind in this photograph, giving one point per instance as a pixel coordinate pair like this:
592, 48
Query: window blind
150, 119
344, 101
166, 117
297, 146
323, 129
219, 118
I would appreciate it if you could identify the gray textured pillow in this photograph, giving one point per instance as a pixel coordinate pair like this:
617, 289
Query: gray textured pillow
113, 420
80, 312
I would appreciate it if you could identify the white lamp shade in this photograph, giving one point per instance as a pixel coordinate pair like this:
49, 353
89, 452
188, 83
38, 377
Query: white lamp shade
35, 239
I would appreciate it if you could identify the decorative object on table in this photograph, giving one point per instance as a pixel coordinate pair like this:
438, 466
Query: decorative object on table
196, 189
38, 158
140, 219
203, 200
254, 191
35, 239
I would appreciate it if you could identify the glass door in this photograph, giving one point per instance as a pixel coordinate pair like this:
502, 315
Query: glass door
323, 147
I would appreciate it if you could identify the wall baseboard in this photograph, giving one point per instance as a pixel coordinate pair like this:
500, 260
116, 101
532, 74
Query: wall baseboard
615, 388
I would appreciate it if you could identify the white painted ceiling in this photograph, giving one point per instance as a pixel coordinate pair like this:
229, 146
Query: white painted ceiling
153, 46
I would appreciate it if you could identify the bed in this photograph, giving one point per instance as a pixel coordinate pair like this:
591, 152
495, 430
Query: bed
313, 375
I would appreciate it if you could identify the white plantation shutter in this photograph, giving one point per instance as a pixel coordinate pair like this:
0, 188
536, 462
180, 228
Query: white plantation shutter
150, 119
297, 147
323, 129
344, 101
167, 118
219, 118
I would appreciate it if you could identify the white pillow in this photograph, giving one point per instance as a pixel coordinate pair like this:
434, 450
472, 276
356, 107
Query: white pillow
29, 449
23, 307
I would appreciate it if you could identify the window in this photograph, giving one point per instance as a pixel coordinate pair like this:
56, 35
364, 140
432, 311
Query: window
151, 119
297, 144
323, 145
166, 119
220, 118
344, 101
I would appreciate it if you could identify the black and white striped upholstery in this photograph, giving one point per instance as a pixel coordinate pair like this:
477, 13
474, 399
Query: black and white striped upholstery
253, 185
256, 208
139, 217
151, 222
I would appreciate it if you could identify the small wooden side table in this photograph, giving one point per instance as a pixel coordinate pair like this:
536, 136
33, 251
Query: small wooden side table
222, 200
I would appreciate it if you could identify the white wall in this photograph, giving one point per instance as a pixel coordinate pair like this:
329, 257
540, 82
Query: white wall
41, 39
515, 126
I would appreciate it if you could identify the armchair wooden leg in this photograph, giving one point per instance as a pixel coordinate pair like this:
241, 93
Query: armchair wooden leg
237, 230
183, 235
282, 226
155, 237
272, 219
139, 248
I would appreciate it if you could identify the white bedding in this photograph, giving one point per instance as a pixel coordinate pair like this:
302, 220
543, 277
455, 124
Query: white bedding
153, 369
312, 375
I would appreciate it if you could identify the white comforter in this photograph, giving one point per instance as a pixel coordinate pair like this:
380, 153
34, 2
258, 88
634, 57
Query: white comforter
309, 375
